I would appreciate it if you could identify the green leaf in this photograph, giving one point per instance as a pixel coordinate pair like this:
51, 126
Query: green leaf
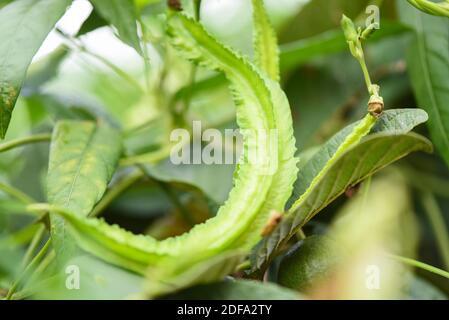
332, 174
428, 66
98, 281
24, 25
43, 70
328, 155
266, 50
83, 157
179, 272
197, 175
236, 290
93, 22
121, 14
393, 122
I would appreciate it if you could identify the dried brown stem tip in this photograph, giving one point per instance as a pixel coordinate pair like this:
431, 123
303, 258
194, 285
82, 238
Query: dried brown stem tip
376, 106
274, 219
174, 4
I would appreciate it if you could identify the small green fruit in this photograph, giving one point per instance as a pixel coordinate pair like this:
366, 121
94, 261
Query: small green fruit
311, 261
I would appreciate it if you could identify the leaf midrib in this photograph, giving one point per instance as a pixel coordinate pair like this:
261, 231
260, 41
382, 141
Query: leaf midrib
79, 166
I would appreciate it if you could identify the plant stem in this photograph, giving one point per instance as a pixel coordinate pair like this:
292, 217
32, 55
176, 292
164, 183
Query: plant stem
301, 235
33, 245
115, 191
44, 137
421, 265
438, 225
368, 82
150, 157
244, 265
146, 59
27, 270
197, 9
365, 192
16, 193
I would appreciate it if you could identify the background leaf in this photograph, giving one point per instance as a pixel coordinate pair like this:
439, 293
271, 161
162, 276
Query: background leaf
98, 281
122, 15
24, 25
300, 51
428, 65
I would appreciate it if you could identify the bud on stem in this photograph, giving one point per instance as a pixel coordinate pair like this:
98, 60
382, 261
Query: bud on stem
354, 38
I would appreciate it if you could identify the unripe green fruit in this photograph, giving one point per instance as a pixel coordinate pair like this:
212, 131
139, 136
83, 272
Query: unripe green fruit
311, 261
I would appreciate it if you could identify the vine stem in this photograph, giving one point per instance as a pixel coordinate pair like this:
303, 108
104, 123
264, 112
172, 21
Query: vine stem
16, 193
44, 137
438, 224
365, 192
301, 235
368, 82
421, 265
146, 57
27, 270
151, 157
33, 245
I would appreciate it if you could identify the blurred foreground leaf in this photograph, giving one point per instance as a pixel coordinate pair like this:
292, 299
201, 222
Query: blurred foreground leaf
24, 25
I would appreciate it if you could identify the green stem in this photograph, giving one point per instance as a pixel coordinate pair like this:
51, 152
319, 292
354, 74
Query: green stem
368, 82
115, 191
420, 265
16, 193
130, 131
149, 158
365, 192
301, 235
438, 225
33, 245
197, 9
244, 265
146, 58
28, 269
44, 137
